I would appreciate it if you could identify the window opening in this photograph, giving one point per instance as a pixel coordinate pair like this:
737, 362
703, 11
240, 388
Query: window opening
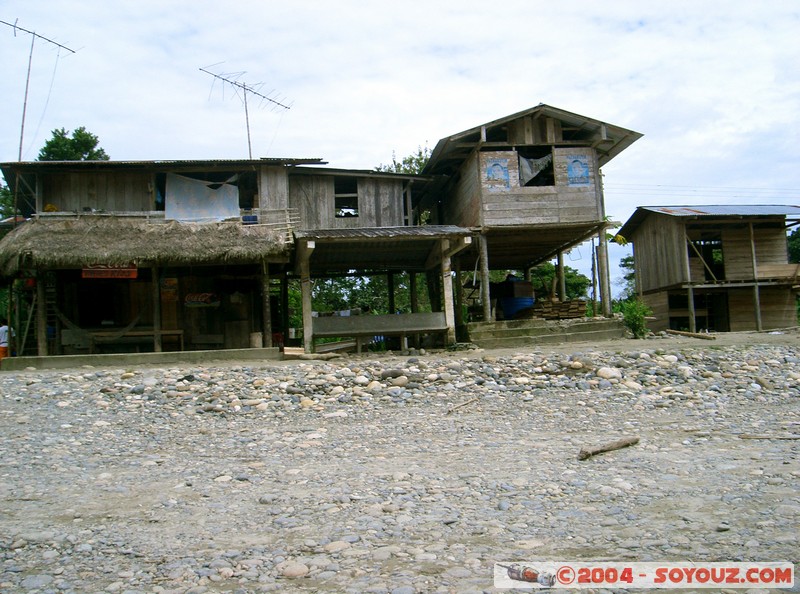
345, 190
536, 166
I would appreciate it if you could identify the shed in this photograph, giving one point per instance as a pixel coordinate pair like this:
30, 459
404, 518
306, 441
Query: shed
715, 267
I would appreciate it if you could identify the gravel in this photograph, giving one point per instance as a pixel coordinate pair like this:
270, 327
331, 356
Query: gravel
398, 474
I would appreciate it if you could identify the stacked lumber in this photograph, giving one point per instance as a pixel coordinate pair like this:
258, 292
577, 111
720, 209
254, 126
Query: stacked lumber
560, 310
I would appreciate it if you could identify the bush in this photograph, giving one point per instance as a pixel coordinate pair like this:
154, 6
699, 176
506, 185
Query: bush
634, 313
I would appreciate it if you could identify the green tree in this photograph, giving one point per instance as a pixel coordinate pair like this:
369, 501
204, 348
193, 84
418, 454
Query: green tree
543, 276
628, 280
6, 202
81, 146
794, 246
413, 163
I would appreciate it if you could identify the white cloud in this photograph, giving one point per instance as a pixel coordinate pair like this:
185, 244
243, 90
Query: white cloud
713, 85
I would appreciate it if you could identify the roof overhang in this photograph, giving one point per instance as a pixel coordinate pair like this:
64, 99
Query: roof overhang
607, 139
384, 249
518, 248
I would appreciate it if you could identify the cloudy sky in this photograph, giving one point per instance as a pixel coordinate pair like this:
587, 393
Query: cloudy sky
714, 86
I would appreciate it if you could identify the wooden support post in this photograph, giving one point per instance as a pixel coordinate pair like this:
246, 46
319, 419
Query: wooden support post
303, 256
447, 295
459, 288
562, 280
266, 311
687, 270
41, 315
692, 312
412, 287
594, 279
756, 288
285, 306
409, 209
390, 287
156, 286
604, 273
485, 298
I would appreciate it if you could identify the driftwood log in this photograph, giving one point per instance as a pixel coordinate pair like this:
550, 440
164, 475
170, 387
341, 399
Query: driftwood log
608, 447
691, 334
457, 406
769, 436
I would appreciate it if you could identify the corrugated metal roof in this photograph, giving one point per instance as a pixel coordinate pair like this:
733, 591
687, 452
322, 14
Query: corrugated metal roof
32, 165
716, 210
422, 231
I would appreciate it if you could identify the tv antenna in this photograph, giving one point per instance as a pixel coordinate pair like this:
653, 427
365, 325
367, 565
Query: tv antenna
253, 90
34, 36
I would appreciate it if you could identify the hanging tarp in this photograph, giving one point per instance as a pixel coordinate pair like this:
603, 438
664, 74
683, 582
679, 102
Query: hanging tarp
194, 200
530, 168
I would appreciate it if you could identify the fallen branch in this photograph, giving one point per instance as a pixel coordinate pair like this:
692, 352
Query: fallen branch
692, 334
457, 406
609, 447
768, 436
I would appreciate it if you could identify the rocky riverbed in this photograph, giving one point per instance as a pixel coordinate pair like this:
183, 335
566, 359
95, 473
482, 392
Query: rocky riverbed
398, 474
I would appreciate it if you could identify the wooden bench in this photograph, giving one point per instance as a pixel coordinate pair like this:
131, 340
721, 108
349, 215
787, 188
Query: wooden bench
359, 327
136, 336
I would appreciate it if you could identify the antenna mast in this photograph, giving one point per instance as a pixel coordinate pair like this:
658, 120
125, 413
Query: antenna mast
245, 90
34, 36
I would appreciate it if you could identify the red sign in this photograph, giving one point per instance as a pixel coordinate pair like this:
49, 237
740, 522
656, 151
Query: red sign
110, 271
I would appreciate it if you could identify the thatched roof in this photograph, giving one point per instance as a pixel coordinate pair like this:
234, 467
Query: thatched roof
43, 243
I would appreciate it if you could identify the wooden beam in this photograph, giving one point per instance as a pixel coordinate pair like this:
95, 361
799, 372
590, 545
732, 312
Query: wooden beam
484, 261
266, 311
603, 273
689, 290
459, 289
457, 246
437, 253
303, 254
702, 260
390, 288
156, 286
447, 293
41, 315
756, 288
304, 249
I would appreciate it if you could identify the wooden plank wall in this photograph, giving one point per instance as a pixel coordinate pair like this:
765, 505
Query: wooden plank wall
312, 196
659, 247
771, 248
516, 205
380, 203
659, 305
464, 208
111, 192
273, 187
778, 309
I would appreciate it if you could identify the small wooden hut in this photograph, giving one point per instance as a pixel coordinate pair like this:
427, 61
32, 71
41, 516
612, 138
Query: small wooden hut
721, 267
